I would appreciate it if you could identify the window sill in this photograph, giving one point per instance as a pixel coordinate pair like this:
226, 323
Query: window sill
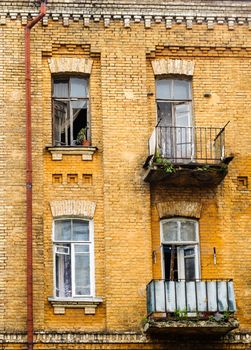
89, 304
57, 152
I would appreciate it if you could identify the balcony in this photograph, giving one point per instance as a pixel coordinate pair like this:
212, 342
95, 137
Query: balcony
187, 156
199, 307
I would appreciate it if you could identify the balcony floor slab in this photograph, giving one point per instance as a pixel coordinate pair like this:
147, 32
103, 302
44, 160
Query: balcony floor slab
196, 328
187, 174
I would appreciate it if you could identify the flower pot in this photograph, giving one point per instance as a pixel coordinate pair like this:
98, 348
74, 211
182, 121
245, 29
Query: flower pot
86, 143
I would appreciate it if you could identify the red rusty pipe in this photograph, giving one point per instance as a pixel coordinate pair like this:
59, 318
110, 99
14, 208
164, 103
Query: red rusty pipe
28, 27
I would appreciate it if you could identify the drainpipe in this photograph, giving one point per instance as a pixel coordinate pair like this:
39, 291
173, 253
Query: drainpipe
28, 28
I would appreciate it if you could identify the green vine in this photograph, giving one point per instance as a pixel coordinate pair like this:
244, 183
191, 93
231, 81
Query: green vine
180, 314
165, 164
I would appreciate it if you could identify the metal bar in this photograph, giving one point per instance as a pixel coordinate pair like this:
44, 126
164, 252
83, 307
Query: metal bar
154, 293
196, 279
227, 296
223, 146
221, 130
200, 144
175, 296
165, 296
205, 136
211, 151
195, 143
217, 298
206, 295
186, 294
196, 295
178, 142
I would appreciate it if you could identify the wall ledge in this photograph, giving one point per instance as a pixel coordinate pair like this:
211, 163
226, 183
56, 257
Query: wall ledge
240, 338
86, 152
89, 304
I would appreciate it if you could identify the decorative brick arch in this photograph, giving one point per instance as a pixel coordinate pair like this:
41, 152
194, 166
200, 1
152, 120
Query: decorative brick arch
179, 208
73, 208
174, 67
70, 65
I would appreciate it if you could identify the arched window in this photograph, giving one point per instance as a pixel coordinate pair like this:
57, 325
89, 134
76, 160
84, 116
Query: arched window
73, 258
180, 249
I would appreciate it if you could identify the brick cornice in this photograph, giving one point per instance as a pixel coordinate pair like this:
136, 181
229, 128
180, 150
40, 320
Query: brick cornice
232, 13
105, 338
163, 50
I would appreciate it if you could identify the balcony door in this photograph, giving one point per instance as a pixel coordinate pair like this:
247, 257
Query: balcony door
180, 249
175, 132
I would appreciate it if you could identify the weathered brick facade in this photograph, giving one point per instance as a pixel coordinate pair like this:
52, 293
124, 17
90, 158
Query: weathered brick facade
116, 43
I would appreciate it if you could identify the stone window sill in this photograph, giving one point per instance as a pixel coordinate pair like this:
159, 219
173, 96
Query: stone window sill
89, 304
57, 152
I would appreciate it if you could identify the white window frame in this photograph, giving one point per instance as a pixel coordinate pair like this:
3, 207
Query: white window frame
182, 245
73, 243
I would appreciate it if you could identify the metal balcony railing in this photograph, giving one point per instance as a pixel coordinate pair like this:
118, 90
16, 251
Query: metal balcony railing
188, 144
195, 296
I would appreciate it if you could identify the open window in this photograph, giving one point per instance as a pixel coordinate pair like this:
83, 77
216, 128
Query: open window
73, 258
174, 118
70, 110
180, 249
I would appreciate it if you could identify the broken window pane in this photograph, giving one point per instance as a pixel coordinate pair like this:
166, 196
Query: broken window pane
79, 116
164, 113
170, 262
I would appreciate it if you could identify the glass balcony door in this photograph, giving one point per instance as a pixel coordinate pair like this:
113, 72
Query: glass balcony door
174, 119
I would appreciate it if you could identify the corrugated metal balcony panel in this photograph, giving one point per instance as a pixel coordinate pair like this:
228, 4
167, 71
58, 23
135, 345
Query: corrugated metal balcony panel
190, 308
190, 296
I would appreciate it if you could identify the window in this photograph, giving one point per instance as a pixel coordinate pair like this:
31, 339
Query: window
180, 248
70, 107
174, 105
73, 258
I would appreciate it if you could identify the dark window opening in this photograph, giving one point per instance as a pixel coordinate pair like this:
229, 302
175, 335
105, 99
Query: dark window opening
170, 263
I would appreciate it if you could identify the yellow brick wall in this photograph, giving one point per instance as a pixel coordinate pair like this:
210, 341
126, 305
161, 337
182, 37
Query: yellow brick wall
123, 116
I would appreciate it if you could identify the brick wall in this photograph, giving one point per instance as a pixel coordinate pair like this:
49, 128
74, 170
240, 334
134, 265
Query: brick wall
123, 115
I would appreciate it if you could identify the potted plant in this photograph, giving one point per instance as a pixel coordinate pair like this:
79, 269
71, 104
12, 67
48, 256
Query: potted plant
82, 138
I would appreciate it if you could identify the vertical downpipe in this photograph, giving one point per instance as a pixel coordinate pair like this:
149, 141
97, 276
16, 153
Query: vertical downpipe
28, 28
